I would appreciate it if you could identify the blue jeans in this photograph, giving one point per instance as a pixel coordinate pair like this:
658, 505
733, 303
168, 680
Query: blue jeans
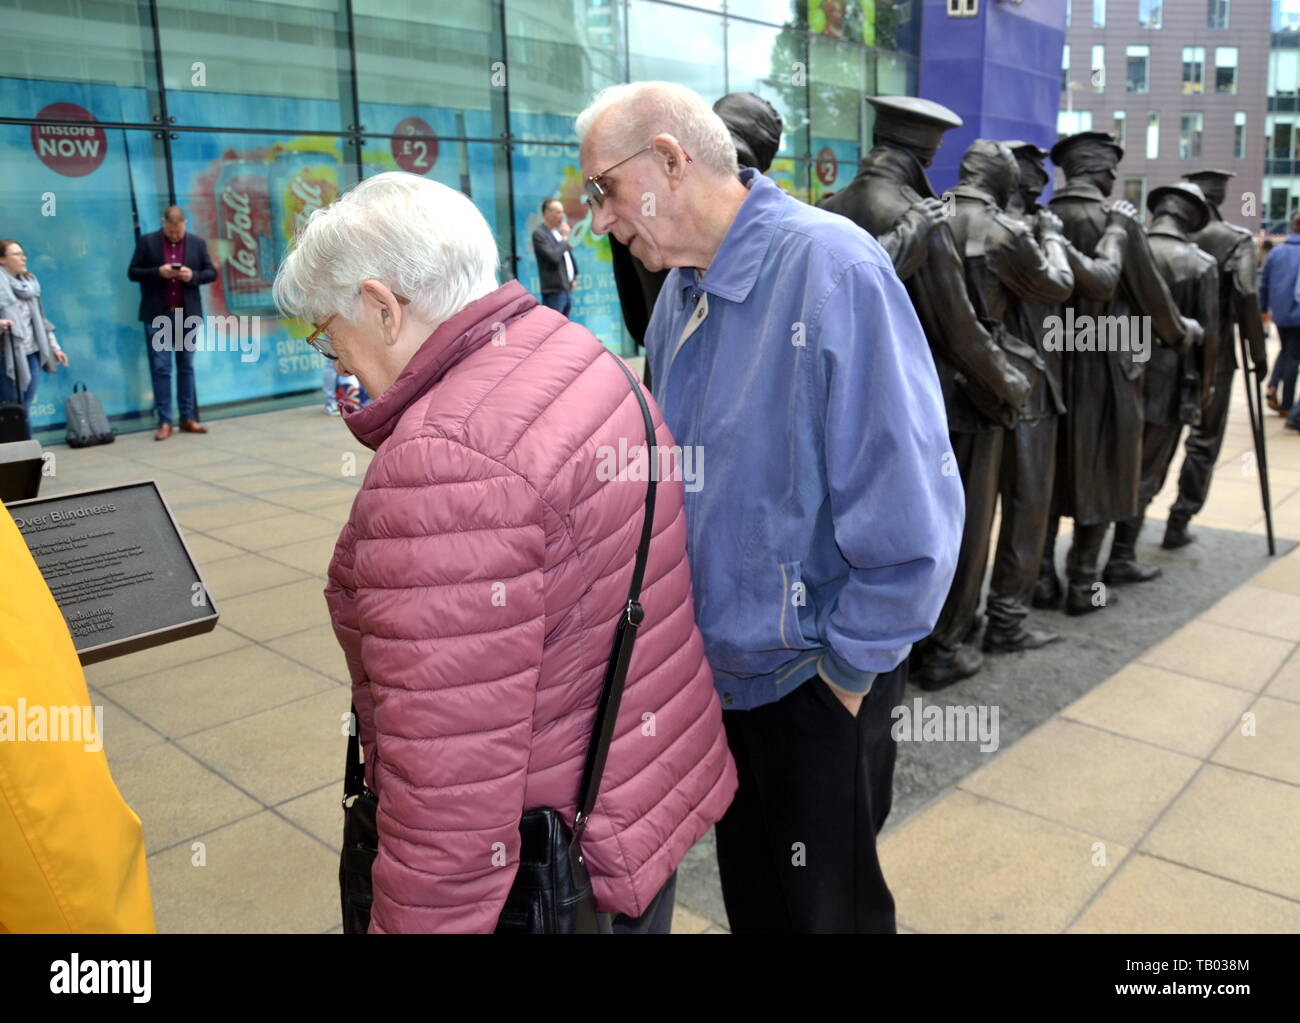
160, 368
9, 388
560, 301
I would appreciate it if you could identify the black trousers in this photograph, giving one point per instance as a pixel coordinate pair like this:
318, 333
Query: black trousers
979, 460
1028, 473
797, 847
1202, 447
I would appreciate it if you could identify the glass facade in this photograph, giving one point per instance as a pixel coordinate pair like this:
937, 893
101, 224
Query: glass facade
249, 115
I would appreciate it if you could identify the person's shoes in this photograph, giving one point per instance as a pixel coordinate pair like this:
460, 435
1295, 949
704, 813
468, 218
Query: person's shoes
1291, 426
193, 426
1176, 535
1270, 399
1079, 600
1020, 638
938, 674
1047, 593
1129, 571
164, 431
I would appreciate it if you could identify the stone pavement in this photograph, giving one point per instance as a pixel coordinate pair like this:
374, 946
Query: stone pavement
1141, 806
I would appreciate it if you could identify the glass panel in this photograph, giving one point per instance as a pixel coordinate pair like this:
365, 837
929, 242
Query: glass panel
1135, 190
248, 195
1098, 13
551, 171
853, 20
1065, 68
1098, 69
774, 12
1149, 13
1120, 127
562, 52
897, 26
1217, 14
100, 55
1225, 69
772, 63
233, 63
1193, 69
1136, 77
74, 206
1153, 135
1239, 135
674, 45
840, 81
427, 69
1189, 136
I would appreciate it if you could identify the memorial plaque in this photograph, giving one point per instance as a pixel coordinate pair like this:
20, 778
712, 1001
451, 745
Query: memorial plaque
117, 566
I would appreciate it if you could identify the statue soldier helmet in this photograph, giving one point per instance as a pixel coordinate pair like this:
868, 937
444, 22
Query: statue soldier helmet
1193, 202
1087, 152
913, 123
1030, 158
1214, 183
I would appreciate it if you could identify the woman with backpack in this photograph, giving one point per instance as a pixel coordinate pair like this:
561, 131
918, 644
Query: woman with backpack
26, 337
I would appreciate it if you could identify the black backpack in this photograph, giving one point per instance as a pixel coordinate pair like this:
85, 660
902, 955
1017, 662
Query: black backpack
87, 424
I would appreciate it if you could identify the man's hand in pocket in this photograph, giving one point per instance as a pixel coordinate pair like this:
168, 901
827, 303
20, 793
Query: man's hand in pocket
851, 703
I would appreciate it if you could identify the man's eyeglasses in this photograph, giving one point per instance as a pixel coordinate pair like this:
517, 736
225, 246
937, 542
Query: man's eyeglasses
596, 192
320, 340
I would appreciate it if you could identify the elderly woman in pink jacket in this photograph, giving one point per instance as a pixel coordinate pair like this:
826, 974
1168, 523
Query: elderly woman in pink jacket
477, 584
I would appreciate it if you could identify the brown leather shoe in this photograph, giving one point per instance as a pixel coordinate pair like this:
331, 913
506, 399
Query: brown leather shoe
192, 426
164, 431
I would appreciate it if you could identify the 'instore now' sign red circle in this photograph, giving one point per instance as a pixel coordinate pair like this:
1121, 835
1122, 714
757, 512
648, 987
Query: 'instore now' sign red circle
416, 155
73, 150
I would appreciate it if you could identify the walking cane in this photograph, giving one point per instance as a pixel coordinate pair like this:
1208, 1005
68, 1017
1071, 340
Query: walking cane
1255, 409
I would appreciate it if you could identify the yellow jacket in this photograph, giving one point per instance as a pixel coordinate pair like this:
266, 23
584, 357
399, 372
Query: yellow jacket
72, 857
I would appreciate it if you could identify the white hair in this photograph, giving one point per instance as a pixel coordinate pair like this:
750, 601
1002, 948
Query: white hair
425, 241
642, 110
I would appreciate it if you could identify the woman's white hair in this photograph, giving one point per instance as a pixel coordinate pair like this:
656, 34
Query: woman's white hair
642, 110
425, 241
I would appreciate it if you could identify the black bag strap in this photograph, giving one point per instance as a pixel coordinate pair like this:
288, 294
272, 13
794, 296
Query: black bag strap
602, 730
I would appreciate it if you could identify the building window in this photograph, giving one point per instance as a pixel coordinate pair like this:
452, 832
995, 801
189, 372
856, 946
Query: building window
1065, 68
963, 8
1282, 72
1153, 135
1217, 14
1098, 13
1119, 126
1281, 136
1137, 58
1135, 191
1193, 69
1068, 4
1225, 69
1239, 135
1190, 129
1149, 13
1098, 68
1286, 15
1071, 122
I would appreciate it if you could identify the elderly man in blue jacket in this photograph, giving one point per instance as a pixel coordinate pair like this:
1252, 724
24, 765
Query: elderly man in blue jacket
823, 534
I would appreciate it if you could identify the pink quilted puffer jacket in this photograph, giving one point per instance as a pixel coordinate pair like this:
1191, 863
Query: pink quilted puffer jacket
475, 591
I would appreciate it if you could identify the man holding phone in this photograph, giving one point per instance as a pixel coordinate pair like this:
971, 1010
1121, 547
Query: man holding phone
169, 266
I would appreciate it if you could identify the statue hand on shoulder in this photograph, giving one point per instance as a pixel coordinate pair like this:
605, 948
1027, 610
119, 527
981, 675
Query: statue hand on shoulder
927, 214
1124, 208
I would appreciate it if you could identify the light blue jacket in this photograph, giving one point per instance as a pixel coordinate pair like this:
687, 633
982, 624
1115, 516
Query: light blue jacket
1277, 283
824, 528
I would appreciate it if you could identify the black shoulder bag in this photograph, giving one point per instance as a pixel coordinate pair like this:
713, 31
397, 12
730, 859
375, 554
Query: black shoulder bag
552, 891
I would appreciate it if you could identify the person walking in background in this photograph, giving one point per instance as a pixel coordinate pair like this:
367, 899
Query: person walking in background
1277, 300
169, 266
784, 345
477, 583
26, 336
555, 263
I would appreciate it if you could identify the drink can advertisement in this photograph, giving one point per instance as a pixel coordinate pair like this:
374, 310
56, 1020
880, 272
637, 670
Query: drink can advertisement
243, 208
301, 183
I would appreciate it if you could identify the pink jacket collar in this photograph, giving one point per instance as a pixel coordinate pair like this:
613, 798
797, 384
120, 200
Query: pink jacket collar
467, 331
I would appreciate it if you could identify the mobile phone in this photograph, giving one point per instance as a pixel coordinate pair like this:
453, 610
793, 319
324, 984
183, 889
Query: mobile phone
175, 266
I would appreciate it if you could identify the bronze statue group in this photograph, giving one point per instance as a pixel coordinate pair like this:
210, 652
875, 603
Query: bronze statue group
1072, 346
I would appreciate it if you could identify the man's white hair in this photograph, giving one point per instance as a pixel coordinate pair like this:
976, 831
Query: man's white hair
642, 110
426, 241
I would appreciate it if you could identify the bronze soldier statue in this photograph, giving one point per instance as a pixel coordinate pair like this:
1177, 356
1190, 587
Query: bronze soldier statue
983, 391
1175, 389
1019, 259
1101, 450
1233, 248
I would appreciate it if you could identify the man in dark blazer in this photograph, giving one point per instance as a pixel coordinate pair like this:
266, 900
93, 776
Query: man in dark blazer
169, 266
555, 263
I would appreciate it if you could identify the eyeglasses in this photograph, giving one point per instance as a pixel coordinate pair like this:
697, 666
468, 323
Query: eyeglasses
320, 340
596, 192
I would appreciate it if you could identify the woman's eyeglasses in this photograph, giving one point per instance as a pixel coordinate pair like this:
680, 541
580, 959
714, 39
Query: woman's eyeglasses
320, 340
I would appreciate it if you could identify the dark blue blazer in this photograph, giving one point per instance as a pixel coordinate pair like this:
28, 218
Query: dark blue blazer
153, 287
